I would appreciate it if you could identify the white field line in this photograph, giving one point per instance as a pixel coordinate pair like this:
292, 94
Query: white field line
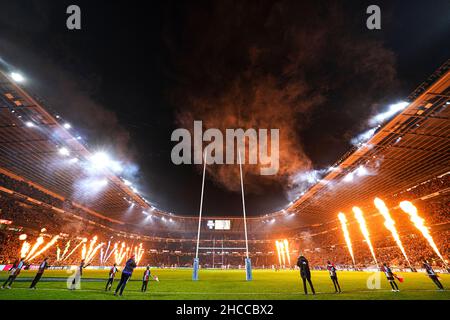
229, 293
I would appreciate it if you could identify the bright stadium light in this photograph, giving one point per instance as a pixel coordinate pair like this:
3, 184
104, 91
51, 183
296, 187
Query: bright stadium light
67, 125
127, 183
64, 151
101, 160
17, 77
392, 110
74, 160
29, 124
349, 177
362, 171
363, 137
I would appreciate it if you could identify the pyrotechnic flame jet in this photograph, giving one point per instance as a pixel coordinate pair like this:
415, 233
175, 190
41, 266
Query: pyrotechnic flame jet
91, 256
410, 209
39, 241
138, 252
83, 252
343, 220
45, 248
363, 226
65, 250
24, 250
288, 254
389, 223
279, 251
91, 247
76, 247
105, 254
111, 252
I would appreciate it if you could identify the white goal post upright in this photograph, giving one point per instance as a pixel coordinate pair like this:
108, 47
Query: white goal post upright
248, 264
196, 262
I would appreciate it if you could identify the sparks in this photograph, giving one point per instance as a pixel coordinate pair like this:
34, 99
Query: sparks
66, 249
110, 253
278, 245
138, 253
288, 254
389, 223
24, 250
91, 255
343, 221
363, 226
410, 209
120, 254
74, 249
45, 248
39, 241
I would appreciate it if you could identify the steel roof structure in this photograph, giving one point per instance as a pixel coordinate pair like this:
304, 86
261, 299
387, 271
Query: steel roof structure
410, 148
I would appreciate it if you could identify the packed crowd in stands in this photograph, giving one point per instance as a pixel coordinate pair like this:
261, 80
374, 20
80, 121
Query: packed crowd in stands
318, 244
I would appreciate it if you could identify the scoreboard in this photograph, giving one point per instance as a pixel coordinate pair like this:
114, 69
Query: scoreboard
219, 224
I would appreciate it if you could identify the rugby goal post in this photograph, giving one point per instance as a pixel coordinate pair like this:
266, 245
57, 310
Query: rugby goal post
248, 263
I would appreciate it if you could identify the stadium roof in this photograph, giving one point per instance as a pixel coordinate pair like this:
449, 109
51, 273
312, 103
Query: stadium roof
410, 148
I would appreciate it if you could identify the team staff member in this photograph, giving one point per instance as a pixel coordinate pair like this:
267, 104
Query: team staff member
433, 276
42, 267
305, 273
333, 275
112, 274
14, 272
145, 279
390, 277
78, 275
126, 275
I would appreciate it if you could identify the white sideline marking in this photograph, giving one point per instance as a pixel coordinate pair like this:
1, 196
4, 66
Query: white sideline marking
227, 293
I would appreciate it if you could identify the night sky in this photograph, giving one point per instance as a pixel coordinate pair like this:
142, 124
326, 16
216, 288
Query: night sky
135, 73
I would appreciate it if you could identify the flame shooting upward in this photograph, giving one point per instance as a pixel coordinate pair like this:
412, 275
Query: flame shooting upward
39, 241
419, 222
138, 253
389, 223
24, 250
45, 248
343, 221
363, 226
74, 249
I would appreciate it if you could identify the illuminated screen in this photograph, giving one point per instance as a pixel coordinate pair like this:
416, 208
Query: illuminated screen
222, 224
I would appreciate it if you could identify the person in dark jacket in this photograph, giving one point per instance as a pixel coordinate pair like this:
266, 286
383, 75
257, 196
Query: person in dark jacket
14, 272
333, 275
305, 273
126, 275
432, 274
42, 267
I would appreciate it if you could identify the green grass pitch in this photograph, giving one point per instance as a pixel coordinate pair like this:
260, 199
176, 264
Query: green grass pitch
176, 284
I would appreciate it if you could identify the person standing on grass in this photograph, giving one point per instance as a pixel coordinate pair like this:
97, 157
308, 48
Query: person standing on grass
126, 275
432, 274
390, 277
42, 267
305, 273
145, 279
13, 273
79, 273
112, 274
333, 275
